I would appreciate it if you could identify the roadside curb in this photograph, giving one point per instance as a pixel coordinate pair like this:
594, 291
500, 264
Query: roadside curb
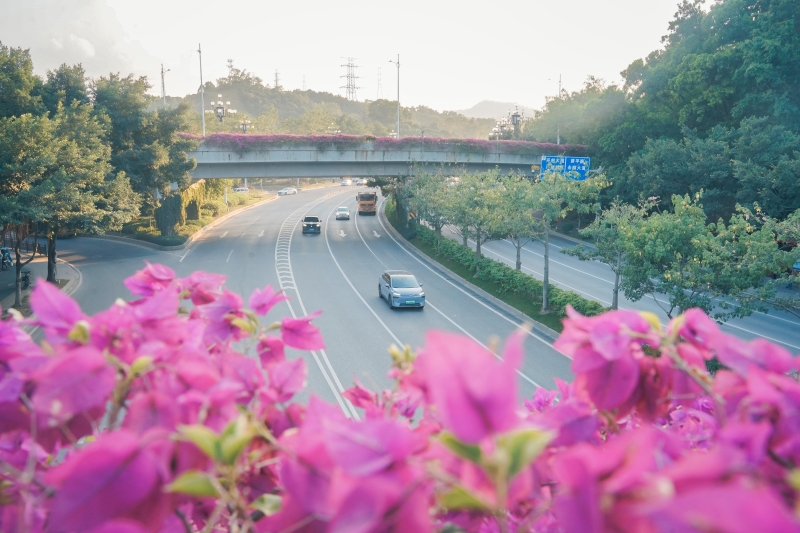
74, 283
573, 239
199, 233
548, 334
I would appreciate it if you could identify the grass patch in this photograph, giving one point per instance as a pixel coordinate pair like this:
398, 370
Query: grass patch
517, 301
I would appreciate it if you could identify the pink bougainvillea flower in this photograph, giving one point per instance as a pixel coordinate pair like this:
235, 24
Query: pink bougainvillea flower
150, 280
301, 334
542, 400
111, 478
367, 447
120, 526
56, 312
604, 351
150, 410
219, 316
261, 301
160, 306
286, 379
270, 350
696, 327
203, 287
70, 384
475, 394
740, 355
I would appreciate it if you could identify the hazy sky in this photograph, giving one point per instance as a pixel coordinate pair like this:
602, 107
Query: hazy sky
452, 54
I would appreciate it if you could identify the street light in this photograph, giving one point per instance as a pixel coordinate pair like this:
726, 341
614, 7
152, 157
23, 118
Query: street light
516, 120
397, 63
219, 108
245, 124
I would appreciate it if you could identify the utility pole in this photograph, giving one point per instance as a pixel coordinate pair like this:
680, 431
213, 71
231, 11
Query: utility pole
379, 94
202, 93
558, 130
230, 67
350, 80
163, 90
397, 63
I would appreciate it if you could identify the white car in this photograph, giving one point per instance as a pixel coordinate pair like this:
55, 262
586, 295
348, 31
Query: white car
347, 182
287, 190
241, 189
342, 213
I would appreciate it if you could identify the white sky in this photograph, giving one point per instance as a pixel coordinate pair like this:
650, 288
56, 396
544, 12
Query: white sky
453, 54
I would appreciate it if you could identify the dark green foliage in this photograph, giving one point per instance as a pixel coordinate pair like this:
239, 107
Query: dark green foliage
64, 86
170, 214
19, 86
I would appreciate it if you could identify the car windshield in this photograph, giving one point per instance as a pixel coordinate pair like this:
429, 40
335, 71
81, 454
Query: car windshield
404, 282
342, 209
312, 219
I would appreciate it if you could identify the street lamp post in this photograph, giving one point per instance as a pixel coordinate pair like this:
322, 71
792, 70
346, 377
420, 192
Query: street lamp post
202, 92
245, 124
397, 63
516, 120
220, 110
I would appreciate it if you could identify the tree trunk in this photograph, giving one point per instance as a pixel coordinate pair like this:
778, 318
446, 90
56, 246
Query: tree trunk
438, 237
518, 245
546, 280
615, 297
477, 251
51, 256
19, 263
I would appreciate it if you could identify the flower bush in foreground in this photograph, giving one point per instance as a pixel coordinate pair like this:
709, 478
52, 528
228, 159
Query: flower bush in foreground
145, 418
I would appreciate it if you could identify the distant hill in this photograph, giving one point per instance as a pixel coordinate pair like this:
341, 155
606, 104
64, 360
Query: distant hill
495, 110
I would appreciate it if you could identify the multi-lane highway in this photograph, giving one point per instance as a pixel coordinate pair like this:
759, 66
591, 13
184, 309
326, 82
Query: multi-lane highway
337, 272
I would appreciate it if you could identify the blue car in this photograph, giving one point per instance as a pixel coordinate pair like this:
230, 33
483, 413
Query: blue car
401, 289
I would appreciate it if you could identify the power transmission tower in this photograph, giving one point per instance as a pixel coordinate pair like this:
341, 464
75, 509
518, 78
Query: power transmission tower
350, 86
278, 81
230, 67
380, 87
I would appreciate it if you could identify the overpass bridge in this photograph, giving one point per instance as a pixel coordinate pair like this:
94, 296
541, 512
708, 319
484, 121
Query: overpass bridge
288, 156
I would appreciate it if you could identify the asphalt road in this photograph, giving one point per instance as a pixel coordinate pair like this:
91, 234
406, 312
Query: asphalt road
336, 272
595, 280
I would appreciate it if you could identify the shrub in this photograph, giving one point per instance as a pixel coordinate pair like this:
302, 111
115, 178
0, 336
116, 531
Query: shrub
145, 417
214, 208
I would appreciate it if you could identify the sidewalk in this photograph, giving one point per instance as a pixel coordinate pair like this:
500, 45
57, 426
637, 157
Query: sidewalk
68, 277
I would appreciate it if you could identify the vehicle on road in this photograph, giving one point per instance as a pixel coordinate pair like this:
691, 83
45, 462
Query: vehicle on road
342, 213
401, 289
346, 182
287, 190
312, 224
241, 189
367, 202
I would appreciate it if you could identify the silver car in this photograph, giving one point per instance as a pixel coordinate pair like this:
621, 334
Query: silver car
342, 213
287, 190
401, 289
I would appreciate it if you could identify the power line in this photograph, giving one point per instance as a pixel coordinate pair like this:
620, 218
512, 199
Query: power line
350, 86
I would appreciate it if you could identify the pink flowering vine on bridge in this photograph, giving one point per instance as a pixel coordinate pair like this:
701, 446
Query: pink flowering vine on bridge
178, 412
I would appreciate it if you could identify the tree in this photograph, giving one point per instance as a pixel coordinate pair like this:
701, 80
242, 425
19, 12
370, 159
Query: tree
607, 234
552, 196
63, 86
473, 207
515, 218
695, 264
27, 155
428, 199
19, 86
144, 144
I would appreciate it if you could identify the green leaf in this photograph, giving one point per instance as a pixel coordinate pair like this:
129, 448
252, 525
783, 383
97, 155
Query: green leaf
235, 439
461, 498
470, 452
269, 504
523, 447
202, 437
193, 483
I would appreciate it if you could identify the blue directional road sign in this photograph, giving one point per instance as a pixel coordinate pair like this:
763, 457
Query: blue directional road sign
552, 162
579, 165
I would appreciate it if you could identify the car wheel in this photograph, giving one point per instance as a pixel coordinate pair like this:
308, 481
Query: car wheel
380, 293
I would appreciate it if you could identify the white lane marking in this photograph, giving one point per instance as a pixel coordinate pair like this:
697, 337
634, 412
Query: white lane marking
341, 231
535, 336
184, 255
223, 235
427, 303
376, 234
283, 267
261, 234
762, 336
242, 235
229, 256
